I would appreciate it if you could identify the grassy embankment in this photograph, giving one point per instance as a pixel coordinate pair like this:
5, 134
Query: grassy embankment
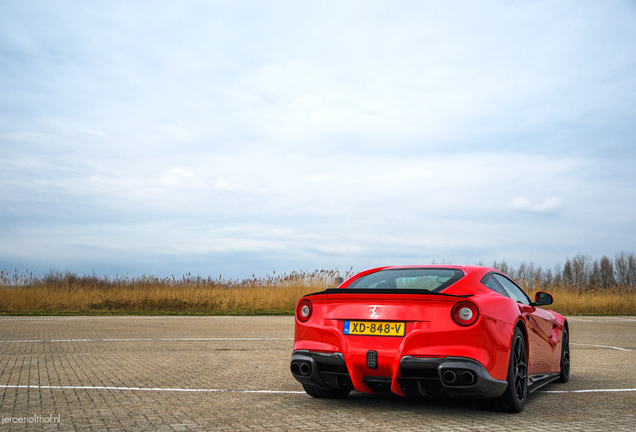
572, 301
68, 294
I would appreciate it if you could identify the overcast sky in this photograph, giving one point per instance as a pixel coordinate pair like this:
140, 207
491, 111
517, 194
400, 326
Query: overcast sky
239, 138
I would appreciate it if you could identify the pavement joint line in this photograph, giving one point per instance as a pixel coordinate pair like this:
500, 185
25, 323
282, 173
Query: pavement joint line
602, 346
149, 389
146, 339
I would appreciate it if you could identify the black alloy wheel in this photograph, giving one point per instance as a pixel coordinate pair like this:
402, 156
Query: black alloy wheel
514, 398
520, 369
564, 376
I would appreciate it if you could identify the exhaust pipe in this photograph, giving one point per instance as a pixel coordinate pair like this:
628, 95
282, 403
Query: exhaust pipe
295, 368
305, 369
449, 376
468, 377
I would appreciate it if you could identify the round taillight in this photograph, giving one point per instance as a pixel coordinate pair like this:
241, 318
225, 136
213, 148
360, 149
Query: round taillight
465, 313
303, 310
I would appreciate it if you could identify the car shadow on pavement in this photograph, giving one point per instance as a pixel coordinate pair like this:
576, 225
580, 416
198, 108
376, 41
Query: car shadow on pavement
392, 402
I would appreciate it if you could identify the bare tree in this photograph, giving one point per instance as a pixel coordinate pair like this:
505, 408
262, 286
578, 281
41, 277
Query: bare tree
537, 275
625, 269
595, 275
631, 265
503, 267
530, 275
548, 278
621, 268
581, 270
522, 274
607, 273
533, 275
558, 274
568, 274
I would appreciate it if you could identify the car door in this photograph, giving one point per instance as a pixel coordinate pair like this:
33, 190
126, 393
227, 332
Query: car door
539, 322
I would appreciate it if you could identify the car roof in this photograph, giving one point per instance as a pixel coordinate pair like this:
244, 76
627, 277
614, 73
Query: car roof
465, 268
472, 273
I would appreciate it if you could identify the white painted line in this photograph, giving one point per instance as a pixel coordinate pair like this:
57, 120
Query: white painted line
248, 391
149, 339
150, 389
586, 391
601, 346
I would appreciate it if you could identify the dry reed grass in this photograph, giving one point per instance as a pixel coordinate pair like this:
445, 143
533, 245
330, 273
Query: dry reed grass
25, 294
572, 301
67, 293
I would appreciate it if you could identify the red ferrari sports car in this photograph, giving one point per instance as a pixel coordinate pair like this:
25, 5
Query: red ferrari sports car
458, 331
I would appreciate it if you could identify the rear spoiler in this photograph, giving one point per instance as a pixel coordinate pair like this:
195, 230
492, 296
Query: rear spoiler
349, 291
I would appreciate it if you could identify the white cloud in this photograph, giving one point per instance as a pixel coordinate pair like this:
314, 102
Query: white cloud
178, 177
550, 205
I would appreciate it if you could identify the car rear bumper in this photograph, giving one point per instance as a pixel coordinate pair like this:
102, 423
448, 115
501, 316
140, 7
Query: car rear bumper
324, 370
450, 376
457, 377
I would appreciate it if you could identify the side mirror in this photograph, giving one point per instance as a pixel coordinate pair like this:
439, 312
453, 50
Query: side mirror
543, 299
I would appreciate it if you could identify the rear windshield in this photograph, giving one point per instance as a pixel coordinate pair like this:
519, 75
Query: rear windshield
414, 278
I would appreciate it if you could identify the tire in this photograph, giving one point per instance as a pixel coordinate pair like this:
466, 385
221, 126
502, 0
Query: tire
514, 398
319, 393
564, 376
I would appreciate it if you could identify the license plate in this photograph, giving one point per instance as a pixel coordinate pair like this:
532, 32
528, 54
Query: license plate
374, 328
